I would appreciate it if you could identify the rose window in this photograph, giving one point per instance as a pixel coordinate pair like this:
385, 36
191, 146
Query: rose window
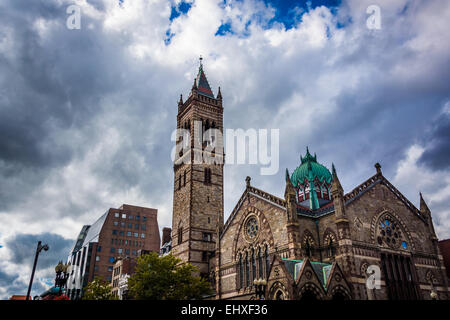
390, 234
252, 228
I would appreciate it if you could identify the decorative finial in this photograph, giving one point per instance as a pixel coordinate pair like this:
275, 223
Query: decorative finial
378, 167
287, 175
201, 59
247, 181
333, 169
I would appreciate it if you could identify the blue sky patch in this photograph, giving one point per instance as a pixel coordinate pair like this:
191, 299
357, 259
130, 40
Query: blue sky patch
182, 8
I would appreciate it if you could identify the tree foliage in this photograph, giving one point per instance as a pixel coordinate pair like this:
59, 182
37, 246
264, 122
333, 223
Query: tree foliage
164, 278
98, 289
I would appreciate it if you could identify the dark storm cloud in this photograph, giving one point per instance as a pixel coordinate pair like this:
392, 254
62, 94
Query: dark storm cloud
23, 247
437, 154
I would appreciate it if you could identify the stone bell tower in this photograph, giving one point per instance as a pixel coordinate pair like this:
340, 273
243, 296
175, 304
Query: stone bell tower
197, 216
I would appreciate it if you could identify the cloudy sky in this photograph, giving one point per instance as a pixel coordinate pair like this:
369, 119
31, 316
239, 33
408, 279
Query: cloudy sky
86, 115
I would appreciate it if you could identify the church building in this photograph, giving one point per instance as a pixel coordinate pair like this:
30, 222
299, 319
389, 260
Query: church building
318, 242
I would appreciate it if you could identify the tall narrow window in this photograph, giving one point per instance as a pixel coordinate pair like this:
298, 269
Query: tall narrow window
241, 272
266, 253
207, 178
308, 249
180, 235
184, 178
253, 266
260, 264
247, 270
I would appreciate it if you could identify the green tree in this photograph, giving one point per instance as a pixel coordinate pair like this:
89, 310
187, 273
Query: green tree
164, 278
98, 289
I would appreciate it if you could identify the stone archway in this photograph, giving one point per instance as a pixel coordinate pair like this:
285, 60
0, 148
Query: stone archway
339, 293
310, 292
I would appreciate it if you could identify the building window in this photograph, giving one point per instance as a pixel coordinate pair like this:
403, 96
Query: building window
241, 272
260, 263
136, 226
144, 218
130, 225
266, 254
116, 223
207, 237
119, 251
180, 235
110, 268
129, 233
138, 218
124, 216
114, 232
136, 235
111, 259
97, 258
253, 266
99, 248
113, 250
122, 224
143, 227
247, 271
142, 235
122, 233
184, 179
127, 251
205, 256
116, 214
207, 178
130, 216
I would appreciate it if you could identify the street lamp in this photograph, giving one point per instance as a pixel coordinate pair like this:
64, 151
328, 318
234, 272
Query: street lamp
38, 250
62, 274
260, 285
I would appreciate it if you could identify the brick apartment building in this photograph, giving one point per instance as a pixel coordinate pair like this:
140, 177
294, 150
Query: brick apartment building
118, 232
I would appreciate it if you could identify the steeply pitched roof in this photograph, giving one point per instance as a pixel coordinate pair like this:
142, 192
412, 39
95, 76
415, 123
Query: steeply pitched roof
202, 83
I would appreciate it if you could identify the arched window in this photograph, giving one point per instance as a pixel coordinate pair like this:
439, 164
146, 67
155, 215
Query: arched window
247, 270
179, 183
266, 254
241, 271
260, 263
253, 266
301, 194
330, 248
308, 248
330, 243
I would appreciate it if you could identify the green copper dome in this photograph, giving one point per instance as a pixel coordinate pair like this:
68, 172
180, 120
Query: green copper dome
309, 170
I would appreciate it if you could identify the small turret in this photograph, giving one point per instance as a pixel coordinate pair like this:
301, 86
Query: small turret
180, 102
219, 95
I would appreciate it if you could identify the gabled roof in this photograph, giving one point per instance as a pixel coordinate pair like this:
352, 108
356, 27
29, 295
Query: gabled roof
357, 192
321, 269
278, 202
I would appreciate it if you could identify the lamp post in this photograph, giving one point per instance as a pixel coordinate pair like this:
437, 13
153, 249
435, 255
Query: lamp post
260, 285
38, 250
62, 274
